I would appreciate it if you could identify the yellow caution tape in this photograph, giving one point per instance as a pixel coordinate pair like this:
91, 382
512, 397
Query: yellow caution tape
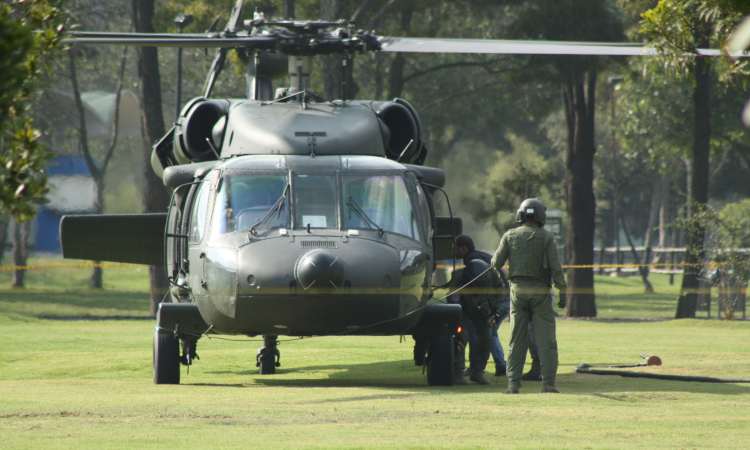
596, 266
64, 266
440, 266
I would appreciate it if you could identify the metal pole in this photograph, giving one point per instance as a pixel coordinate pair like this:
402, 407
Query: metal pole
178, 102
612, 81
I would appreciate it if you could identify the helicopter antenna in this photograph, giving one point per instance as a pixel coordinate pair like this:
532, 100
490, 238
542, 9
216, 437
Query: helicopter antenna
299, 79
343, 76
402, 153
213, 148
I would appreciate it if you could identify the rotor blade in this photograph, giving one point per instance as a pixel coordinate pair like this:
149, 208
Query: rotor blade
496, 46
234, 17
216, 67
107, 34
259, 42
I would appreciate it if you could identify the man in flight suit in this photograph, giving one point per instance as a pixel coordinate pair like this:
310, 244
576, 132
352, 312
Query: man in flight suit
534, 266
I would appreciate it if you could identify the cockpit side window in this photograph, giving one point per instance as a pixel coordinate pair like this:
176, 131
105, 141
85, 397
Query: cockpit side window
199, 213
244, 200
379, 201
425, 207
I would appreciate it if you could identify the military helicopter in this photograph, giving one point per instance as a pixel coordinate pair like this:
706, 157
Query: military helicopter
292, 215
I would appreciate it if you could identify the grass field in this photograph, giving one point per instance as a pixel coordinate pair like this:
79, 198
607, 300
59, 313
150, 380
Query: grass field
87, 384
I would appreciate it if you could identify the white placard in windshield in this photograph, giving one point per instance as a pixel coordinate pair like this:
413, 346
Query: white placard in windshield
314, 221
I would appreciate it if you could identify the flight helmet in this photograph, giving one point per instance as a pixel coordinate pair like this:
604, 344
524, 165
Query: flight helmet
532, 209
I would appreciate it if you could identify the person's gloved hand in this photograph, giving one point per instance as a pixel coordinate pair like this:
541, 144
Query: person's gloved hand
494, 318
563, 299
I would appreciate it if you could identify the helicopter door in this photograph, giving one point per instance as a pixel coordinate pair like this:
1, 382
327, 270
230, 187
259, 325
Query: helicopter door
174, 238
197, 224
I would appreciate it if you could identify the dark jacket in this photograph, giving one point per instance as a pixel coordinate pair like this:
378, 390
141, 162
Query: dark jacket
477, 254
486, 257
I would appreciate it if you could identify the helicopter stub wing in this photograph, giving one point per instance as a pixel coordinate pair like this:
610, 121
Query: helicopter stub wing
126, 238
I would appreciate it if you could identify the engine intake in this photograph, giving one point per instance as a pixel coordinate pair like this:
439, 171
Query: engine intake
401, 131
200, 120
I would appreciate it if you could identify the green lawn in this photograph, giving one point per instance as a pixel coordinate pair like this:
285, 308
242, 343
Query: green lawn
65, 292
87, 384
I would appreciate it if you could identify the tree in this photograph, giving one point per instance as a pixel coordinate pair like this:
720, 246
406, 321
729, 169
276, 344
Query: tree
155, 196
30, 32
677, 28
98, 170
725, 232
574, 20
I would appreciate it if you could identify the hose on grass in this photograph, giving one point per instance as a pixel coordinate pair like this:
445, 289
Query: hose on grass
585, 368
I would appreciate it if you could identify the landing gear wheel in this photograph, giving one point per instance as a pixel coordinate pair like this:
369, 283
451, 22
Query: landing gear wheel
440, 361
268, 356
267, 363
166, 359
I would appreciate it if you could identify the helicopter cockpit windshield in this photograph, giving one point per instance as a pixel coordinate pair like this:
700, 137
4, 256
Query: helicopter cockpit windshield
261, 201
244, 200
379, 201
315, 201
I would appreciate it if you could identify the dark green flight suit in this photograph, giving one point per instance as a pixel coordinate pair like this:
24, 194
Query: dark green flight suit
533, 262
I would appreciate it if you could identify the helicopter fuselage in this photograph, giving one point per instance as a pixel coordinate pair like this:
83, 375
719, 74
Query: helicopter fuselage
296, 219
317, 266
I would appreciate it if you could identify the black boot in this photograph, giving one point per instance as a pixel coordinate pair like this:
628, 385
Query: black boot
535, 374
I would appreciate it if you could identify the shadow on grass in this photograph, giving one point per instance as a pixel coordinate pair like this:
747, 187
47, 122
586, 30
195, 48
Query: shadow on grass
404, 375
394, 374
75, 304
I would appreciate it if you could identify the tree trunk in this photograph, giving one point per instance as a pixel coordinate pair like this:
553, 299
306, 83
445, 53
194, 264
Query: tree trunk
97, 173
332, 10
20, 251
396, 77
96, 280
641, 269
698, 191
606, 236
651, 223
155, 197
287, 9
396, 73
579, 99
3, 237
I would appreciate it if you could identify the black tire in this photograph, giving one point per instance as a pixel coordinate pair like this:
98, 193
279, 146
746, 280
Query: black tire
166, 359
267, 362
440, 361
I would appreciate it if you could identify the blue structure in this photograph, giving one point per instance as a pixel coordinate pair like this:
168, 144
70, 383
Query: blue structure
74, 192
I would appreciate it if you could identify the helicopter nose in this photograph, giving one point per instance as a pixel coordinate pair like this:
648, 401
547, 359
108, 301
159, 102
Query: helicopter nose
320, 269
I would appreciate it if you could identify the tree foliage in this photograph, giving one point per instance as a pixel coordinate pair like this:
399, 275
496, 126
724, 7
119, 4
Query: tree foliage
30, 31
677, 28
727, 266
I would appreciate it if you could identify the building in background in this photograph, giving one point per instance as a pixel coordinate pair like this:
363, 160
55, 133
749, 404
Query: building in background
72, 188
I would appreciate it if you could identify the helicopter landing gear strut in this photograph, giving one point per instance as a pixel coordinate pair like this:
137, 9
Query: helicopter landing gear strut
268, 356
188, 352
